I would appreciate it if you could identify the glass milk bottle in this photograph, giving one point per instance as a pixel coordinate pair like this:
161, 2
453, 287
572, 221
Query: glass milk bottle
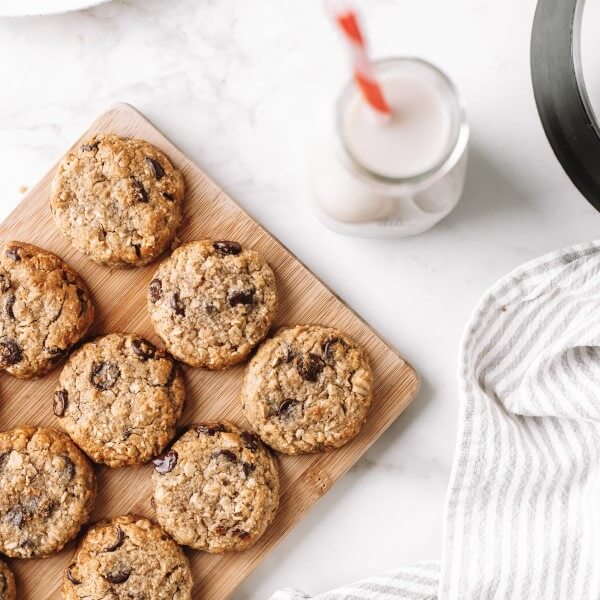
397, 176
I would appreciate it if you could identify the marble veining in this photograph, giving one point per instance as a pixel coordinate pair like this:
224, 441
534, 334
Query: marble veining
241, 87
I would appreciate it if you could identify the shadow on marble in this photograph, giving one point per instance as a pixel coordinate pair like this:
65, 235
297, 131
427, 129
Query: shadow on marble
488, 192
491, 197
375, 455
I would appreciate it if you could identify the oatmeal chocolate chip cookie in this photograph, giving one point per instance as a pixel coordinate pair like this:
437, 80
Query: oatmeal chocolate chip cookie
45, 308
47, 488
118, 200
307, 389
119, 399
217, 489
8, 590
211, 302
128, 557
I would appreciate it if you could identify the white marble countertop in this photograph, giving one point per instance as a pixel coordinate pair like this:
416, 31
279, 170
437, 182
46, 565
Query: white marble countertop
236, 85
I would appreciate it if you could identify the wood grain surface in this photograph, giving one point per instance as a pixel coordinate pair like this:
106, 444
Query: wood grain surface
120, 300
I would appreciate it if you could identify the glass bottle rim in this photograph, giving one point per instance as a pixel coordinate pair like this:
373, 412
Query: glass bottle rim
456, 146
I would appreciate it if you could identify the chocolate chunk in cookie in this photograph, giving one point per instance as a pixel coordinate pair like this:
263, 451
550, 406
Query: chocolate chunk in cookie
307, 389
120, 399
211, 302
118, 200
128, 557
47, 490
221, 491
45, 310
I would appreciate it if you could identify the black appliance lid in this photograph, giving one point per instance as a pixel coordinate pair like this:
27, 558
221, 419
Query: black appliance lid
563, 86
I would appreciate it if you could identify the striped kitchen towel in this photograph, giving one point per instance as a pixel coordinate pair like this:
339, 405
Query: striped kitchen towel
522, 516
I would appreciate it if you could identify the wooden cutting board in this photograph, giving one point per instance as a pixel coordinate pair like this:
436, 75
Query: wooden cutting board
120, 299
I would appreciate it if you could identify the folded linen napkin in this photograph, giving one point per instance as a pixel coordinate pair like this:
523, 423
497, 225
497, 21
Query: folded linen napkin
522, 518
419, 582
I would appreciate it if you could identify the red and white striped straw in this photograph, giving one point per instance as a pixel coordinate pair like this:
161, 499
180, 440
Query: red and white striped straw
346, 19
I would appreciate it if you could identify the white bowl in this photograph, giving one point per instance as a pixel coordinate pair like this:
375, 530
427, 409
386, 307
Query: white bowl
21, 8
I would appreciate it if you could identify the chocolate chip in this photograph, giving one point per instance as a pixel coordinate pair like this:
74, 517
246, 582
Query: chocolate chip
140, 190
176, 304
286, 407
210, 308
83, 300
104, 375
155, 290
56, 353
4, 456
329, 346
224, 247
310, 368
138, 250
13, 253
70, 575
157, 168
210, 429
289, 354
248, 468
15, 516
227, 454
61, 399
169, 197
143, 349
10, 352
166, 462
250, 440
4, 282
89, 147
119, 576
8, 306
243, 535
118, 542
26, 543
244, 297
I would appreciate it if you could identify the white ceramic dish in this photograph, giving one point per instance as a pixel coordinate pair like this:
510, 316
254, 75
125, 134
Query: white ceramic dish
23, 8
